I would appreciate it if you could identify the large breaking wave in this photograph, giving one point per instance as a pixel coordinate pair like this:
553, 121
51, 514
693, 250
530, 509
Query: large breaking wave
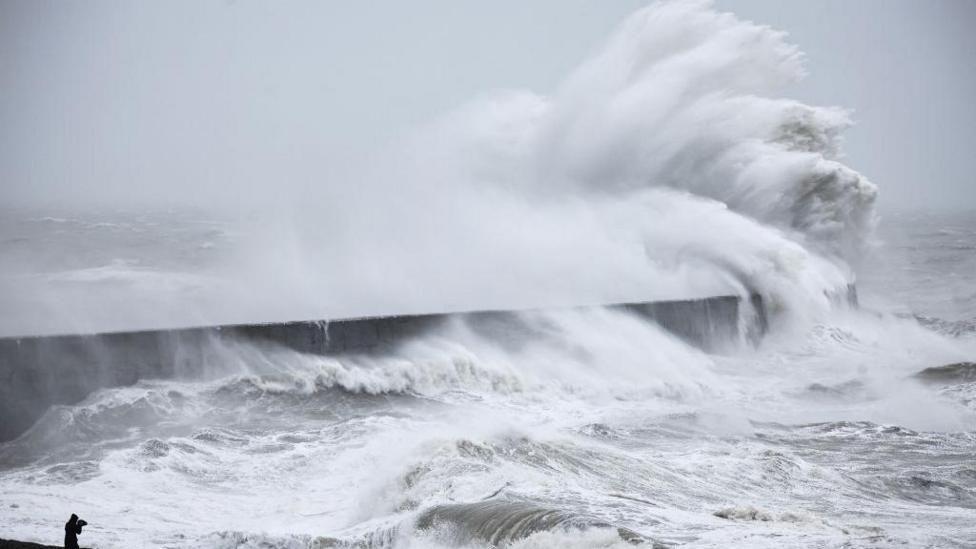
663, 166
671, 136
679, 98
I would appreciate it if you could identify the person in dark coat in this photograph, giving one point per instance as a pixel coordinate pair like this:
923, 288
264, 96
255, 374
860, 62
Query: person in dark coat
71, 530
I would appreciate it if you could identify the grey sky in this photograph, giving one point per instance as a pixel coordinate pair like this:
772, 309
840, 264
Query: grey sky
163, 100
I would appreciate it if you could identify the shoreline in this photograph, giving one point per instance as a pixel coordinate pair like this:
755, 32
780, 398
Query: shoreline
14, 544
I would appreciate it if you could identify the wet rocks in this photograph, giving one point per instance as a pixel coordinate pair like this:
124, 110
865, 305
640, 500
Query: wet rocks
12, 544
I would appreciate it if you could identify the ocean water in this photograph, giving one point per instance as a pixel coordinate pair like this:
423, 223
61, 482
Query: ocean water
820, 436
664, 166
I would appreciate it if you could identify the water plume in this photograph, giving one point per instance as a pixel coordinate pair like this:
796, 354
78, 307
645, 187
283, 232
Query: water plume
662, 167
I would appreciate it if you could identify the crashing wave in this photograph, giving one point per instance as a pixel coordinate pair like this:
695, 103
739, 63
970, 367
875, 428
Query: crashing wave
500, 523
671, 138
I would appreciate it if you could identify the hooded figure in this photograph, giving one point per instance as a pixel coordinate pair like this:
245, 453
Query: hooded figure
71, 530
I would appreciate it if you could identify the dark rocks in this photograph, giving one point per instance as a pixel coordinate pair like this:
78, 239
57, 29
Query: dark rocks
11, 544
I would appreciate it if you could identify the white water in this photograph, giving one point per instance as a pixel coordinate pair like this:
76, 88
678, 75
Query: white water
664, 166
660, 168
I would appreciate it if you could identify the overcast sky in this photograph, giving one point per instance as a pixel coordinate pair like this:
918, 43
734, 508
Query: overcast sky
151, 100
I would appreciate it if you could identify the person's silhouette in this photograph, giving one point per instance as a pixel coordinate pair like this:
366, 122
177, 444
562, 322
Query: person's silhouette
71, 530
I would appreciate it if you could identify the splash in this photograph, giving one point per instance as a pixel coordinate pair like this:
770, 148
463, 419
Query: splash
661, 166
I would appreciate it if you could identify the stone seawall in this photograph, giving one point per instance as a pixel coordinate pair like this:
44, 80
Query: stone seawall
38, 372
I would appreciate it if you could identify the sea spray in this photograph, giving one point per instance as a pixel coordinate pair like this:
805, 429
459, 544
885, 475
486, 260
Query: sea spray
663, 167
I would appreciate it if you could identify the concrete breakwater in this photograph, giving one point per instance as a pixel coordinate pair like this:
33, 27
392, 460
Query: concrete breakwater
38, 372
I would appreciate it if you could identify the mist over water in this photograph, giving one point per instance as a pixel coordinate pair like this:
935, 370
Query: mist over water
664, 166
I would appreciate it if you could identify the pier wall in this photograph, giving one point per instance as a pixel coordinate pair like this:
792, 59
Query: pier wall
38, 372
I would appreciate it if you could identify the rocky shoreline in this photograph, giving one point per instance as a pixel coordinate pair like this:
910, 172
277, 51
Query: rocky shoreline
12, 544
